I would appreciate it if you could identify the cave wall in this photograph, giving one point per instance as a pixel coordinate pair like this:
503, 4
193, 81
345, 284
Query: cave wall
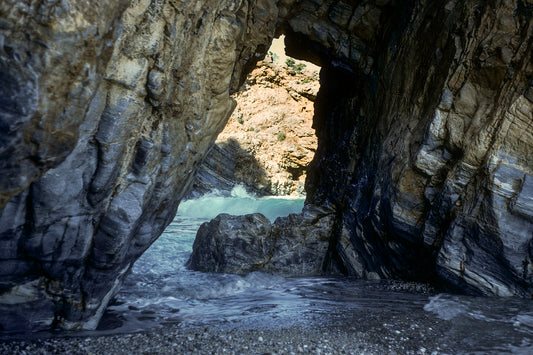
106, 110
107, 107
424, 125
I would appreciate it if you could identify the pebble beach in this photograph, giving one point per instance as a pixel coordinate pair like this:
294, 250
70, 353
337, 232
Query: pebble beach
175, 340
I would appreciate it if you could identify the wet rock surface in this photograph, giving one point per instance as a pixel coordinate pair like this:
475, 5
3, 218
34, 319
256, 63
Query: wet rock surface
295, 245
217, 171
423, 122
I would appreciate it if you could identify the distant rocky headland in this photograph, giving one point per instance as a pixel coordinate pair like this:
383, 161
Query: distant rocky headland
268, 142
423, 167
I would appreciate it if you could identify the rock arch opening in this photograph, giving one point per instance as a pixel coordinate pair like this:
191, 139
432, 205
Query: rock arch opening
304, 244
424, 123
266, 147
269, 140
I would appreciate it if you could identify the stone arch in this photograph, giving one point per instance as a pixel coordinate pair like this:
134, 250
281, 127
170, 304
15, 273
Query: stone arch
436, 112
419, 111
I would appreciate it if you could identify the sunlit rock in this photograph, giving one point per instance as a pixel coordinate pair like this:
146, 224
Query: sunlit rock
268, 141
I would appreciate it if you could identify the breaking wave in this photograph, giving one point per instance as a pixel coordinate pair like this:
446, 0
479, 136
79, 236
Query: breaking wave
239, 202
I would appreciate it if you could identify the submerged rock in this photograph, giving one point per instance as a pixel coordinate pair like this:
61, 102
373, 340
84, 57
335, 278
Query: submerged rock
295, 245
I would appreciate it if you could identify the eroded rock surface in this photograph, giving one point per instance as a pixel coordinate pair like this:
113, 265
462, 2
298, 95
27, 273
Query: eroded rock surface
425, 136
106, 110
424, 124
295, 245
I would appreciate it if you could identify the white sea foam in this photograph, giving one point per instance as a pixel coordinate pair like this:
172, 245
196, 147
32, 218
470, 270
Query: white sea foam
445, 307
239, 191
240, 202
160, 289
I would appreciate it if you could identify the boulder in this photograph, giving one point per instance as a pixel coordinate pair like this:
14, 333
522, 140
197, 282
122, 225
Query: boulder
295, 245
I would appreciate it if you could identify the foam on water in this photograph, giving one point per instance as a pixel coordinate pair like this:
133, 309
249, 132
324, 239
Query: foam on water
511, 311
239, 202
161, 290
160, 284
444, 307
493, 325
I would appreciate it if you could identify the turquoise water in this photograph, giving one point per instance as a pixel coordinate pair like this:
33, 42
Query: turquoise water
238, 203
161, 290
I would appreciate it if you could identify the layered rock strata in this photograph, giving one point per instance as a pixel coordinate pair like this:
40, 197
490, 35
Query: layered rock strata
423, 122
424, 125
106, 110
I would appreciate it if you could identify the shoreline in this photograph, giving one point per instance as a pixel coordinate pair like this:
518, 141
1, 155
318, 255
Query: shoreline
173, 339
396, 322
355, 331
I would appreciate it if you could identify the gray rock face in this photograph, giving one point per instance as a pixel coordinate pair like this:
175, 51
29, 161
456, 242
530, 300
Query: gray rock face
425, 136
52, 59
106, 111
424, 128
220, 167
295, 245
423, 119
216, 171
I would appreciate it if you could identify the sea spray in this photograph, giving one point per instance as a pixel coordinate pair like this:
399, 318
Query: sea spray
161, 290
240, 202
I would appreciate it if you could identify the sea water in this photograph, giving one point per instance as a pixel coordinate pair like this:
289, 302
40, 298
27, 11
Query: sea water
162, 290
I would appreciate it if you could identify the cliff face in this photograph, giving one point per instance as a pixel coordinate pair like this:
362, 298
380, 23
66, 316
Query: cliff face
268, 141
106, 110
424, 128
424, 124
